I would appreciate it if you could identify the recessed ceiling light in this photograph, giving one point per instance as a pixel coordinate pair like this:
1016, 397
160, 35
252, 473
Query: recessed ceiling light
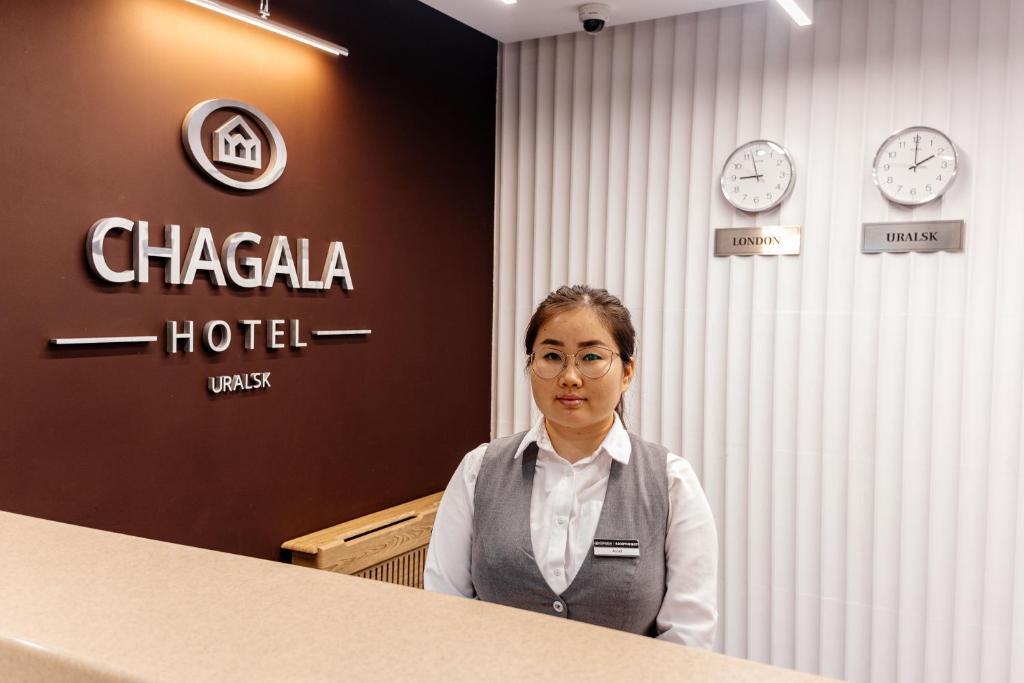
510, 2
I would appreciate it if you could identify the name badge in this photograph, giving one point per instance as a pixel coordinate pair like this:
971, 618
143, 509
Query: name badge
604, 547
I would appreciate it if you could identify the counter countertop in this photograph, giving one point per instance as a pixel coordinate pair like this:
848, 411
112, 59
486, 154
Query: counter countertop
85, 604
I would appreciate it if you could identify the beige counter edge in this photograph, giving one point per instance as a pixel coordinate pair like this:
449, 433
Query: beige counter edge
116, 607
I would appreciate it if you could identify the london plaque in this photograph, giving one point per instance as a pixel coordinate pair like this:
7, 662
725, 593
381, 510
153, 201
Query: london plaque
904, 236
767, 240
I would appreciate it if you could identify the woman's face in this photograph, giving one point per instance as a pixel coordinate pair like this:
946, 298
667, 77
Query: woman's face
572, 400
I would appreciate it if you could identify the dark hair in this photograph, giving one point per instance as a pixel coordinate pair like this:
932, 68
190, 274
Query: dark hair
607, 306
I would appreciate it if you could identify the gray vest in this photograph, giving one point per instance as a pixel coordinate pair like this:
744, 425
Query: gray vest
624, 593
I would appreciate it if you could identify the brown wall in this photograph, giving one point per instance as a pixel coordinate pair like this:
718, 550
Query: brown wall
391, 150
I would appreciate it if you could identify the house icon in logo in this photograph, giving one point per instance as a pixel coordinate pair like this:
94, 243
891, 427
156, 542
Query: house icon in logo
240, 142
235, 143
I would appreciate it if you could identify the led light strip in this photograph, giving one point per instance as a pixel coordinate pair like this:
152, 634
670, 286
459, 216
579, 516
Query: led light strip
272, 26
794, 11
339, 333
75, 341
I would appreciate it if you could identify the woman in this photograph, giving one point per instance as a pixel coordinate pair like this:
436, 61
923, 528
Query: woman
577, 517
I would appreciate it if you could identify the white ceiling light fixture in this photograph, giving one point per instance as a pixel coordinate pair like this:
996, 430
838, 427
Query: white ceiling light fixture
800, 11
262, 20
510, 2
529, 19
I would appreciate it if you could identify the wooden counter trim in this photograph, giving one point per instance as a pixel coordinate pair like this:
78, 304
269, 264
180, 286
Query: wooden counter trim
366, 546
405, 570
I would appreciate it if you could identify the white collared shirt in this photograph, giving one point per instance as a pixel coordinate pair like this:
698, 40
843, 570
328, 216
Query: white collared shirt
564, 511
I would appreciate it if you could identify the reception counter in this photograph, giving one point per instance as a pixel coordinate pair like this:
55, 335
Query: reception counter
87, 605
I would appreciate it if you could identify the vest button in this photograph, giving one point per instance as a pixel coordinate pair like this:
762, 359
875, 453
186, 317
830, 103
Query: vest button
558, 606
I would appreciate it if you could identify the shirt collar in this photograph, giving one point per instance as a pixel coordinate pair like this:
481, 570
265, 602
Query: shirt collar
616, 442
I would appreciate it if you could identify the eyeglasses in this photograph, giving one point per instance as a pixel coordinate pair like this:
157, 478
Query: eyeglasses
593, 362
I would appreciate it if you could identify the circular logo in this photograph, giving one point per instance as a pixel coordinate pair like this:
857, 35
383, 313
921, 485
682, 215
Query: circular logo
235, 143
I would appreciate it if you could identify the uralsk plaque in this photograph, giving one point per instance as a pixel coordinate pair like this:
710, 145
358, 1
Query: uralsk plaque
913, 236
773, 240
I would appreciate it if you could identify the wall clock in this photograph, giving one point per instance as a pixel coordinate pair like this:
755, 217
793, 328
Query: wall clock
757, 176
915, 165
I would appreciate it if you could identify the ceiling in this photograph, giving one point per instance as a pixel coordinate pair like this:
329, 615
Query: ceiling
538, 18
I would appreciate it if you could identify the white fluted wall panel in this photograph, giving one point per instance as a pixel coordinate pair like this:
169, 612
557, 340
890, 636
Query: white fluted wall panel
855, 419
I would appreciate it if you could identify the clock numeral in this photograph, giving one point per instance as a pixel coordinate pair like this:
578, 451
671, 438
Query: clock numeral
899, 188
736, 189
779, 186
940, 150
928, 188
733, 178
939, 178
769, 197
778, 162
885, 167
737, 166
945, 164
903, 144
917, 138
782, 174
892, 155
745, 196
888, 180
913, 191
757, 199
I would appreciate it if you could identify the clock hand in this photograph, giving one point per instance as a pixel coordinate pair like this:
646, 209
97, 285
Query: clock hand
744, 177
916, 139
914, 167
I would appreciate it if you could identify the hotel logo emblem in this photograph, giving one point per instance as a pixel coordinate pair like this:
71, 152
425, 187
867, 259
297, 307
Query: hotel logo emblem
235, 143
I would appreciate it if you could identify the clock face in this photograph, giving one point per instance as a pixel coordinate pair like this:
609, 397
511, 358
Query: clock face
757, 176
915, 165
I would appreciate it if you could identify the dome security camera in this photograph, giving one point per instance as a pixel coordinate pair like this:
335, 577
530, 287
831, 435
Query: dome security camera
594, 15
